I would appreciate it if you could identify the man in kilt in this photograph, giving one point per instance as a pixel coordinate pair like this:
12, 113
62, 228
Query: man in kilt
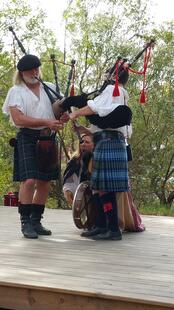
31, 112
110, 166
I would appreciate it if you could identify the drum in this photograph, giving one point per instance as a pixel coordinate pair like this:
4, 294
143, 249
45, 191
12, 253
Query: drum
83, 208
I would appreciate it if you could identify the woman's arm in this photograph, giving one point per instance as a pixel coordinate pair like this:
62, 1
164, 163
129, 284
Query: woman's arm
81, 112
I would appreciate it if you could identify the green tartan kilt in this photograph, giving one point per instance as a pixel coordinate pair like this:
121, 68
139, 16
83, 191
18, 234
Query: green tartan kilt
25, 160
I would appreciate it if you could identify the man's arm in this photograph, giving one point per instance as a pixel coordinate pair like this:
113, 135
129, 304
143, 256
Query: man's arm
22, 120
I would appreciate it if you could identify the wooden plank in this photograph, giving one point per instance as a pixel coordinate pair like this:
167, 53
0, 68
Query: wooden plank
30, 299
139, 268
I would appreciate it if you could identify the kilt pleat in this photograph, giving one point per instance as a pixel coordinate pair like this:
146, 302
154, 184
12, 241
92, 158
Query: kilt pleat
25, 161
110, 167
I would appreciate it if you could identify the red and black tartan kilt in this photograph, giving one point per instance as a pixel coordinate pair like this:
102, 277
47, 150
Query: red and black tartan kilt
25, 161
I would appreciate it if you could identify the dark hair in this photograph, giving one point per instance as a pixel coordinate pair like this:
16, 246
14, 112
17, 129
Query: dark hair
123, 76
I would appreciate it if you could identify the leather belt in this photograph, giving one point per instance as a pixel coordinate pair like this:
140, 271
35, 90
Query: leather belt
42, 133
106, 134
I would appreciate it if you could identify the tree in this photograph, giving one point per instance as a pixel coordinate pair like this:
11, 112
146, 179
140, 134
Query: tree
154, 128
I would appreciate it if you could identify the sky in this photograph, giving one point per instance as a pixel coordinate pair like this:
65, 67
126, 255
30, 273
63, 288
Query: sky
162, 10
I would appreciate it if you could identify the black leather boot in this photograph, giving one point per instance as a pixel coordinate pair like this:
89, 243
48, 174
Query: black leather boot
109, 235
100, 220
36, 216
110, 209
26, 225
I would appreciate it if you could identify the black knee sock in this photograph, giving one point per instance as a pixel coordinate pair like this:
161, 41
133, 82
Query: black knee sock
36, 211
24, 209
100, 219
110, 209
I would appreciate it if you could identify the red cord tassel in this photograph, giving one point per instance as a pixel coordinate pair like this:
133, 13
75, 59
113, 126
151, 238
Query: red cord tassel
116, 92
146, 60
72, 93
142, 96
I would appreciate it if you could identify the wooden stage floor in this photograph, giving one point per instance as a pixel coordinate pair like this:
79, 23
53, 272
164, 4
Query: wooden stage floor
68, 272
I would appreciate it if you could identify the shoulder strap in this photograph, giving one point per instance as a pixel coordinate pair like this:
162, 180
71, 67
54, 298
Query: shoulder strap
125, 103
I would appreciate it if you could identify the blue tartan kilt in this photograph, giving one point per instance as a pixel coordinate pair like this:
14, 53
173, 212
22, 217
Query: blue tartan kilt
110, 166
25, 161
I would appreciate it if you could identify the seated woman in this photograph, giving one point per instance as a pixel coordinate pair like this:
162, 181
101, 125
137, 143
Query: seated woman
77, 169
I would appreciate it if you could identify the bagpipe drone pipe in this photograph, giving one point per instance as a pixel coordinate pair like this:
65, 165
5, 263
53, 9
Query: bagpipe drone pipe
122, 115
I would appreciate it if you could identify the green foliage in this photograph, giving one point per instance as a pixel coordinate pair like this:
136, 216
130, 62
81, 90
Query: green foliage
98, 33
155, 208
52, 204
153, 165
29, 27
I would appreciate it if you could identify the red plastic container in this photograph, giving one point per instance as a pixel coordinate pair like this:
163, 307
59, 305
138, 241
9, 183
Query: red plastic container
11, 199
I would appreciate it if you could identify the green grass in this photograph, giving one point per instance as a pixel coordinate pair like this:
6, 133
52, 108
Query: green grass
1, 201
156, 209
52, 204
145, 209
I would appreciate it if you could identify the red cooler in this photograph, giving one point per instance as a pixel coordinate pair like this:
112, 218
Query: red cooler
11, 199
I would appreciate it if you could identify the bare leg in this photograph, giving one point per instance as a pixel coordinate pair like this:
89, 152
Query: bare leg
41, 192
26, 191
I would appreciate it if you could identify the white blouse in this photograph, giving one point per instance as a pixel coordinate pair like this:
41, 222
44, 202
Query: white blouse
105, 103
72, 183
21, 97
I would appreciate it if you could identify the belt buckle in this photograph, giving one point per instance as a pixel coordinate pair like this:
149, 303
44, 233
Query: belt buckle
46, 132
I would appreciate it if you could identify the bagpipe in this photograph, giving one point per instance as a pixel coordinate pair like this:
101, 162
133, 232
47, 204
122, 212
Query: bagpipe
122, 115
57, 110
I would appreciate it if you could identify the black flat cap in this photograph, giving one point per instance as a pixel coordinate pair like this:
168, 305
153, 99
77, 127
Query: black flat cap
28, 62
